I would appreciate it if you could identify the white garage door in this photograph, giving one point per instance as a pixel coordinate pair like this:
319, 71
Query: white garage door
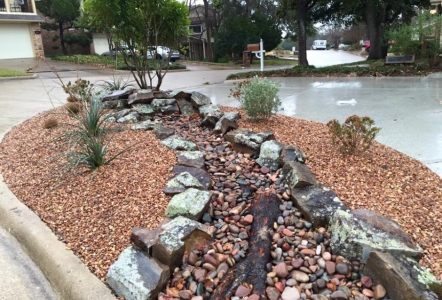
100, 43
15, 41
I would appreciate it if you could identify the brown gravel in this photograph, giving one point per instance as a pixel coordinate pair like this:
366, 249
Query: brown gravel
95, 217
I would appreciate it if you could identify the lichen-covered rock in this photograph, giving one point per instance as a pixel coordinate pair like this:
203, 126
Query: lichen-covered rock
290, 153
142, 96
111, 104
122, 113
247, 141
317, 204
354, 238
135, 276
228, 125
186, 108
269, 155
191, 204
297, 175
191, 159
132, 117
170, 245
163, 132
197, 99
181, 183
231, 116
165, 106
144, 109
403, 278
145, 125
178, 143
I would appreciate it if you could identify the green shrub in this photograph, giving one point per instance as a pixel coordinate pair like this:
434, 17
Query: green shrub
258, 97
354, 136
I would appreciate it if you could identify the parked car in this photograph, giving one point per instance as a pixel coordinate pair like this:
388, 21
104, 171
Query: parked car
115, 51
366, 45
343, 46
162, 53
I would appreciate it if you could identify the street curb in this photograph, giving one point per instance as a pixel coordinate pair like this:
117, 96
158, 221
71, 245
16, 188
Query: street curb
33, 76
68, 276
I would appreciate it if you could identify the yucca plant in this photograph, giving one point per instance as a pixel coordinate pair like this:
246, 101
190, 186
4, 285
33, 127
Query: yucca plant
116, 84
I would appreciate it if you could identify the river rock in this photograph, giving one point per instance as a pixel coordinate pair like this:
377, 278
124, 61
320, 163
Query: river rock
290, 293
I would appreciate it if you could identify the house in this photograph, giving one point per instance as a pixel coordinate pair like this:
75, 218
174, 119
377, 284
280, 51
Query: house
197, 40
436, 6
20, 34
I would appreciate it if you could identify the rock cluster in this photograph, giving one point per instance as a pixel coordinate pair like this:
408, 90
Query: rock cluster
320, 249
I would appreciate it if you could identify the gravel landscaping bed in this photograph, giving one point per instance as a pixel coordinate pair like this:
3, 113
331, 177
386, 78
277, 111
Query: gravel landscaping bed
94, 215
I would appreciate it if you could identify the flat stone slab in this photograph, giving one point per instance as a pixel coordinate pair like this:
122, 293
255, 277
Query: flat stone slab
247, 141
132, 117
354, 238
402, 278
163, 132
115, 95
191, 159
191, 204
135, 276
143, 96
200, 174
145, 125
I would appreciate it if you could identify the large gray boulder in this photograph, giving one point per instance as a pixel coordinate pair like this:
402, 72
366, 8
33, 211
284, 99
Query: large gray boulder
170, 245
317, 204
232, 116
181, 183
355, 238
247, 141
144, 109
142, 96
186, 108
191, 159
179, 94
131, 117
269, 155
191, 204
197, 99
402, 277
297, 175
165, 106
135, 276
163, 132
290, 153
178, 143
211, 113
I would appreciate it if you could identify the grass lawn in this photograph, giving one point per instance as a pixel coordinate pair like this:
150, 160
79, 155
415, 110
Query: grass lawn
11, 73
256, 62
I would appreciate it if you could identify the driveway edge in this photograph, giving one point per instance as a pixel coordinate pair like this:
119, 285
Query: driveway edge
33, 76
68, 276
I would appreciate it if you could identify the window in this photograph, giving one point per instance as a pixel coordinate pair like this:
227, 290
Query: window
195, 28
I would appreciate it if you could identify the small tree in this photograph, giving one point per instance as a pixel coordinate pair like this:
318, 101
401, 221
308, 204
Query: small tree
141, 24
64, 12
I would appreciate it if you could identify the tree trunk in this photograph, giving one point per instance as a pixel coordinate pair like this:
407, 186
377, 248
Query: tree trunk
207, 20
302, 37
375, 19
252, 269
61, 32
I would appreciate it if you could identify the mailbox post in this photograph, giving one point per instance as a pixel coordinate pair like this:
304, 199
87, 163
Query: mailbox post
258, 50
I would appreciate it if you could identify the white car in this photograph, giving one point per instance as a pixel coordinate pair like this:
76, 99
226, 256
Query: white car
162, 53
342, 46
319, 45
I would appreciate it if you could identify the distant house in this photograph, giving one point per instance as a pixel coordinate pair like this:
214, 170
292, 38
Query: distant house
20, 34
436, 6
197, 41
